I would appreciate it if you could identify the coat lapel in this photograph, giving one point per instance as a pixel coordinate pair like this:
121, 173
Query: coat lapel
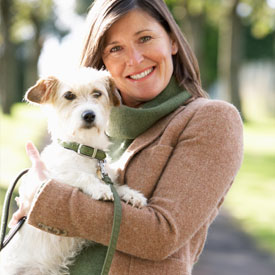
141, 142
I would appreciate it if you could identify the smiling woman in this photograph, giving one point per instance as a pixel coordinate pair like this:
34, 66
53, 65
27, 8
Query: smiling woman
181, 150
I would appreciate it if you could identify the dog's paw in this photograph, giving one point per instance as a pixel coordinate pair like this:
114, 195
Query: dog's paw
131, 196
100, 192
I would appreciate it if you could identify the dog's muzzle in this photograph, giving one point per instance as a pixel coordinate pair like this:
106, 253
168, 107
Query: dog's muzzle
88, 117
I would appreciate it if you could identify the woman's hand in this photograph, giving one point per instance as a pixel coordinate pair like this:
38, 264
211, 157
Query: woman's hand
35, 177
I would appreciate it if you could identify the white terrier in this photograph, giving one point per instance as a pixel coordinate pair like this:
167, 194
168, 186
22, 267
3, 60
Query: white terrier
78, 109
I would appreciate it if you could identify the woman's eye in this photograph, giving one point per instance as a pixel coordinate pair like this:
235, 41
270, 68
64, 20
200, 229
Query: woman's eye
115, 49
97, 94
69, 95
145, 38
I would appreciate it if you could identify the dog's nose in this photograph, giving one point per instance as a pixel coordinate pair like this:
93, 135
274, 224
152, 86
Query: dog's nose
88, 116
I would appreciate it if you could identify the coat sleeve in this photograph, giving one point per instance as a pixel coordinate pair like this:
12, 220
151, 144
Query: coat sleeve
199, 172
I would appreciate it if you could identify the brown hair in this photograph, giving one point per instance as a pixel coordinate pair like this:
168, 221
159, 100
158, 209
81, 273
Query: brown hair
104, 13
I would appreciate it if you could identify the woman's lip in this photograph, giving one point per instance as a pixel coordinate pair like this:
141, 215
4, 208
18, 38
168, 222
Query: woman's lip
140, 72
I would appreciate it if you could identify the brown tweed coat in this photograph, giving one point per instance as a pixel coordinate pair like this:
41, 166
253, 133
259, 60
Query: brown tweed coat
184, 165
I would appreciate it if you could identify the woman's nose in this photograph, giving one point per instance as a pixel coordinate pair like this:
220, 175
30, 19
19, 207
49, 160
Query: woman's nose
134, 57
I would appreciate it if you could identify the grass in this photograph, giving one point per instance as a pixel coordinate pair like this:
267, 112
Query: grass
252, 197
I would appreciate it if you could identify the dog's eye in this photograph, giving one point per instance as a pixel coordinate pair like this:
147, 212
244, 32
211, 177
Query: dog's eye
97, 94
69, 95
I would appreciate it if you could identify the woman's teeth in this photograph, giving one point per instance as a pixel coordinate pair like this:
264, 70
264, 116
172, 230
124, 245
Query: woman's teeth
141, 75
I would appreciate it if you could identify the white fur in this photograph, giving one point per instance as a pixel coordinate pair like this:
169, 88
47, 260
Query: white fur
33, 251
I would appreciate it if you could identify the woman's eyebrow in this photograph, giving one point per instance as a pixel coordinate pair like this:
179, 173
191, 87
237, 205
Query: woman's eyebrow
135, 34
112, 43
141, 31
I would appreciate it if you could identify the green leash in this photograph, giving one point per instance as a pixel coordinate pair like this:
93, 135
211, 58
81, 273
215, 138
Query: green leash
116, 222
100, 156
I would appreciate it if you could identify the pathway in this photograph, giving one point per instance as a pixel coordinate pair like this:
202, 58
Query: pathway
230, 251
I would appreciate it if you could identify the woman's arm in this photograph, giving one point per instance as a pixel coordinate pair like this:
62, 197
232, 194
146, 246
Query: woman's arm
200, 171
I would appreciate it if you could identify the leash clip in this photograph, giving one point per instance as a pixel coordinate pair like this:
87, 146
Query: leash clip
102, 174
101, 165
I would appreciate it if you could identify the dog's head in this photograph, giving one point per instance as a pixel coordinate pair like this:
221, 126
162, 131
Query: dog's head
78, 104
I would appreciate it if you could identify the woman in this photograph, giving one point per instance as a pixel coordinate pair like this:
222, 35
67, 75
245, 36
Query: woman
180, 149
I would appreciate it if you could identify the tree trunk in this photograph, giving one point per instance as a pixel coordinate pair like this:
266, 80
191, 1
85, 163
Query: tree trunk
36, 46
224, 54
230, 54
193, 28
8, 82
198, 29
236, 60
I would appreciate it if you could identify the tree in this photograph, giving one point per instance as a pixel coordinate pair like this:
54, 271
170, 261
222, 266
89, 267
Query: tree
235, 15
24, 26
227, 18
230, 52
7, 57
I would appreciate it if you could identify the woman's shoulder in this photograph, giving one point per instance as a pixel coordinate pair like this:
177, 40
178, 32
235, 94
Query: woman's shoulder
208, 115
209, 104
212, 108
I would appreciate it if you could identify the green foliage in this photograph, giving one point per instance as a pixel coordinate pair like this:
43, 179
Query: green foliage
255, 13
24, 27
258, 20
25, 14
261, 18
210, 50
256, 48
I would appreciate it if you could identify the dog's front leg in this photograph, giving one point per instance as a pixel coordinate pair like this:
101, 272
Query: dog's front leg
87, 183
99, 191
131, 196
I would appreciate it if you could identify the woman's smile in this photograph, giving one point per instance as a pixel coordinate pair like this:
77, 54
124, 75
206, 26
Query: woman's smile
141, 75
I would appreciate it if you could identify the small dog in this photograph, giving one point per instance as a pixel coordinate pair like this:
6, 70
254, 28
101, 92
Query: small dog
78, 109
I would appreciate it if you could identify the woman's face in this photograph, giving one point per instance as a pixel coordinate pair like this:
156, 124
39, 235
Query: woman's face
138, 54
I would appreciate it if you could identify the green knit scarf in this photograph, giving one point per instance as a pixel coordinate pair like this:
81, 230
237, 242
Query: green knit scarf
127, 123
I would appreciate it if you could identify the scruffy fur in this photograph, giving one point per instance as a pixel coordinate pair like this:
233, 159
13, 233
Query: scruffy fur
66, 99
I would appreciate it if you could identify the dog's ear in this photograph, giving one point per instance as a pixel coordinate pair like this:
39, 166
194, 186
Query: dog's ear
42, 91
113, 92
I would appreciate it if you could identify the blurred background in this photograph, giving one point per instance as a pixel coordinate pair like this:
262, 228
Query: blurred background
234, 41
